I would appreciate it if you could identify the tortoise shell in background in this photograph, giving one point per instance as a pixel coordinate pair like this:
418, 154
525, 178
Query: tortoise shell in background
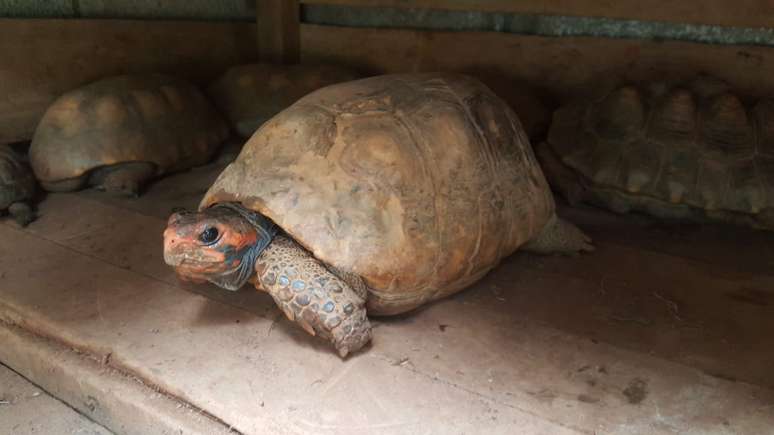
250, 95
151, 118
693, 151
418, 183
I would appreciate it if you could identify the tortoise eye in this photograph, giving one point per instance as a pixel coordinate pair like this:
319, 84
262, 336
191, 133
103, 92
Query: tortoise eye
209, 236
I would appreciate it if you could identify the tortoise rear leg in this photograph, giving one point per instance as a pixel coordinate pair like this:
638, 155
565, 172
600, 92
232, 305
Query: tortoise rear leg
559, 236
313, 296
560, 177
126, 179
22, 213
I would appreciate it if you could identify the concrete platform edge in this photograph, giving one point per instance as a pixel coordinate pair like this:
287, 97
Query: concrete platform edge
116, 400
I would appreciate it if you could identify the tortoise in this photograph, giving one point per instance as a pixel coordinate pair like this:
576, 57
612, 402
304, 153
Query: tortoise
250, 95
372, 196
119, 132
690, 150
17, 186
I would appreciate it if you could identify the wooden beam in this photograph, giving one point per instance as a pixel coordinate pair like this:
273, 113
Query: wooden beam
278, 30
743, 13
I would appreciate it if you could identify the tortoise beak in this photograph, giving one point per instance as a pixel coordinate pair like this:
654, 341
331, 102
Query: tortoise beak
172, 247
173, 240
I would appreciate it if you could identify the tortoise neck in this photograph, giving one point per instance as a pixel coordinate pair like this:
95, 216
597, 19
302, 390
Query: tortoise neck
266, 230
265, 227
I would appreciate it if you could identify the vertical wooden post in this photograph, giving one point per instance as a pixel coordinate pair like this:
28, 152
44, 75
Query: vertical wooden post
279, 39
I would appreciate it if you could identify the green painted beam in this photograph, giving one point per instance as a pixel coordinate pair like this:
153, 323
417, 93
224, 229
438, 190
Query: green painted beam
420, 19
36, 9
204, 10
526, 24
221, 10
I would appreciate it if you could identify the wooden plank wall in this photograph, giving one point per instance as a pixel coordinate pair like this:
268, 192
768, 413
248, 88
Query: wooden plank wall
43, 58
566, 67
535, 73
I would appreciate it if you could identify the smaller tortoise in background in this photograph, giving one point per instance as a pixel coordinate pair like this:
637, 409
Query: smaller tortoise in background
17, 186
376, 195
119, 132
250, 95
694, 152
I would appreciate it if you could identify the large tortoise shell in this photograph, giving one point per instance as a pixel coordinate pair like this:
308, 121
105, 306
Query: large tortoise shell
134, 118
418, 183
693, 149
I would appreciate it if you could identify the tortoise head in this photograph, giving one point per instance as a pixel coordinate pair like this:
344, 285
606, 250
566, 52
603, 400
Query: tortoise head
218, 244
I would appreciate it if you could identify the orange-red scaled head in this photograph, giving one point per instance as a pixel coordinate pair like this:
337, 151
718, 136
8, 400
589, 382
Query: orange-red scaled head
218, 244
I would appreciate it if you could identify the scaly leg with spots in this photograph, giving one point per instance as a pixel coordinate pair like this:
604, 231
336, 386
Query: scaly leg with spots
321, 301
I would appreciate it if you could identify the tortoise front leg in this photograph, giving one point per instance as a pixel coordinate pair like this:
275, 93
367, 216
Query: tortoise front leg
126, 179
22, 213
308, 293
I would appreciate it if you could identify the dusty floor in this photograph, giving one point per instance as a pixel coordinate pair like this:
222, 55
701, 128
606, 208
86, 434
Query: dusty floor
26, 409
664, 329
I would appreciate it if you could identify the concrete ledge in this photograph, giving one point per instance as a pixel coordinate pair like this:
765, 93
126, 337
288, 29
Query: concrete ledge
22, 403
112, 398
